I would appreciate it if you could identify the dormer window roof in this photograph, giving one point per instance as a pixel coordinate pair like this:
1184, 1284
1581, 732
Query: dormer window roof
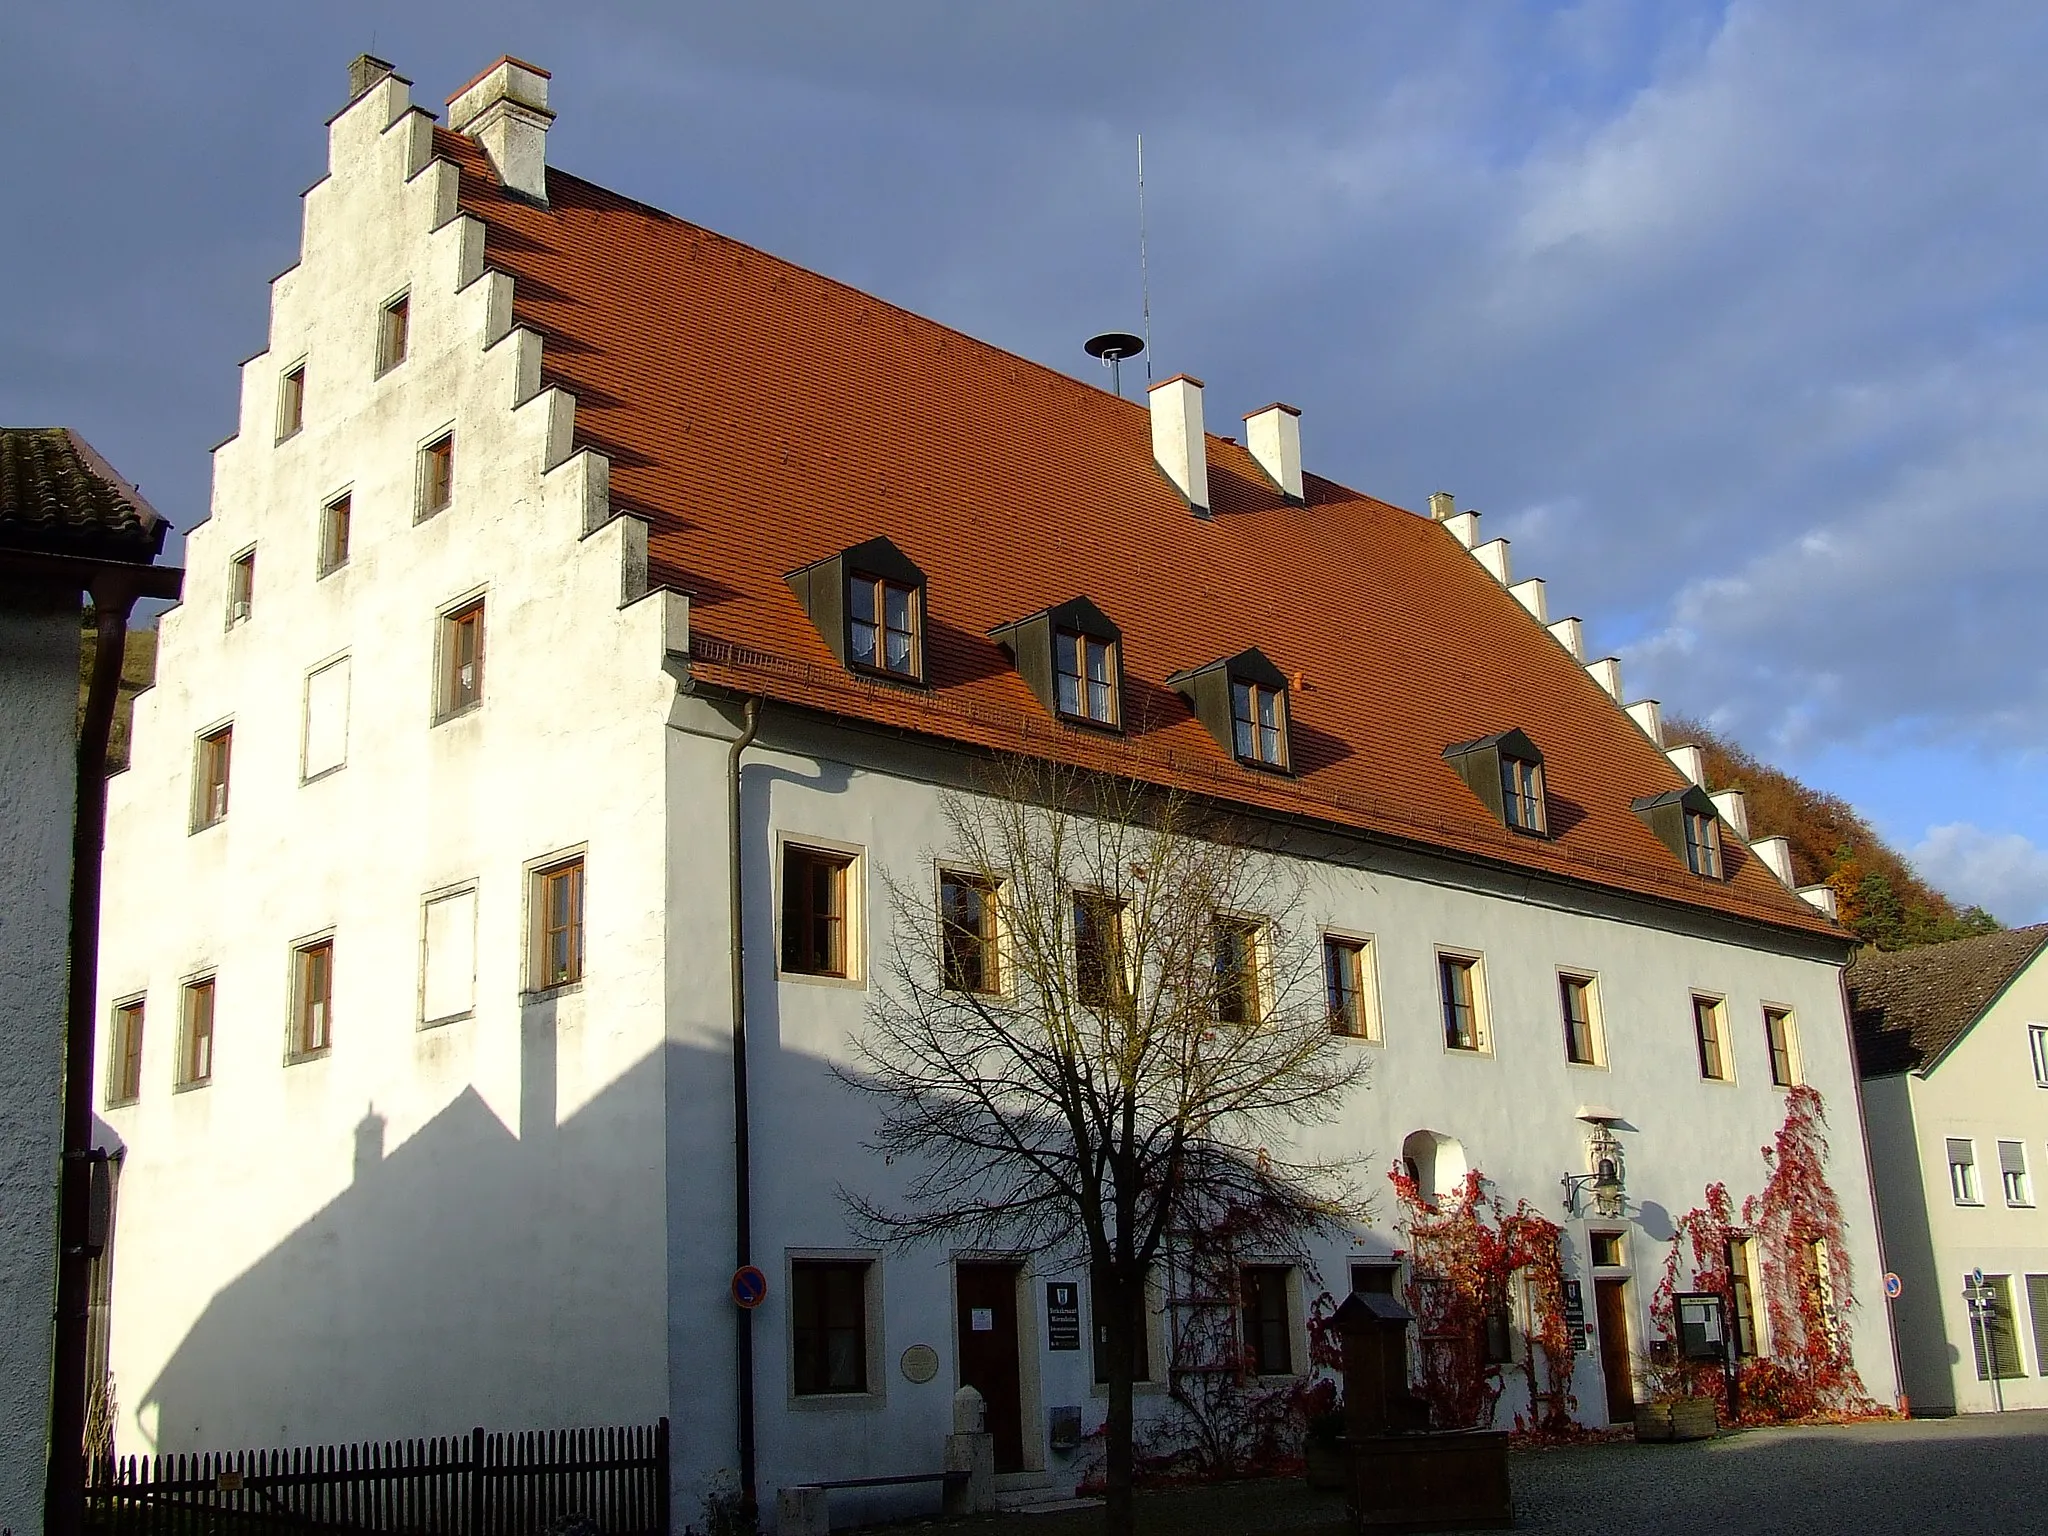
1242, 700
1071, 658
1686, 822
1505, 771
868, 605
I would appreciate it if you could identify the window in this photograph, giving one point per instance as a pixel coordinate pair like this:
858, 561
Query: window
1376, 1278
2037, 1042
1101, 975
436, 477
448, 960
1609, 1250
1742, 1281
1581, 1034
324, 741
1711, 1039
1141, 1351
1258, 721
1962, 1171
1458, 976
1086, 670
210, 777
1346, 991
291, 401
394, 322
1521, 793
312, 998
1268, 1328
968, 957
558, 925
124, 1060
2012, 1173
1235, 943
1782, 1040
1996, 1340
882, 626
828, 1310
1702, 844
195, 1043
2037, 1307
334, 535
814, 915
462, 659
241, 587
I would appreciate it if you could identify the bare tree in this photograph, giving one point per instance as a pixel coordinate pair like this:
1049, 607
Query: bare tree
1104, 1040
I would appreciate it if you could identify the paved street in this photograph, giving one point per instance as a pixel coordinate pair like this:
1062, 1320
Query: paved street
1977, 1476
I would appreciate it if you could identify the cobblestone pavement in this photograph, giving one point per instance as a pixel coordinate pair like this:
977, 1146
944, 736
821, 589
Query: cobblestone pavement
1984, 1475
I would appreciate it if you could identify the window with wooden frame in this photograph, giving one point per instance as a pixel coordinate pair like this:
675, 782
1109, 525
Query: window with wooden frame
1781, 1038
1703, 844
462, 659
815, 917
1085, 673
1996, 1338
1102, 977
2037, 1048
1742, 1281
1710, 1034
1521, 794
312, 999
436, 477
210, 777
291, 401
195, 1034
970, 958
1267, 1319
1458, 981
1258, 723
1581, 1029
828, 1322
124, 1058
884, 626
334, 521
241, 587
557, 924
1234, 944
1347, 986
394, 332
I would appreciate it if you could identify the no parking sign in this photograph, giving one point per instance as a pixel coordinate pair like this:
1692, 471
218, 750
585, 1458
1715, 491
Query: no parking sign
1894, 1287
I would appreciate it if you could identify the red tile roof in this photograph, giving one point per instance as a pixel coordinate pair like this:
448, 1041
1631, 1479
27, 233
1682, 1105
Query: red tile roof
759, 417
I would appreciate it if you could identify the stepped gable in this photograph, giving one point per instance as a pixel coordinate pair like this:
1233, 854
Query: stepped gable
59, 497
758, 417
1908, 1007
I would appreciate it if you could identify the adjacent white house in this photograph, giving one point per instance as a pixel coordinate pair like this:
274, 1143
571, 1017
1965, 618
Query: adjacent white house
1953, 1044
552, 527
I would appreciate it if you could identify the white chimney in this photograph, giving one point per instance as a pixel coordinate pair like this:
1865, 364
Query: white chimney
1607, 673
1822, 899
1530, 594
505, 109
1571, 634
1690, 761
1464, 527
1650, 716
1273, 434
1734, 808
1177, 441
1776, 852
1493, 554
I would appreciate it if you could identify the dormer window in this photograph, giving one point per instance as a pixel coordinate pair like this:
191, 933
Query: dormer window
1506, 772
868, 605
1071, 658
1685, 822
1242, 701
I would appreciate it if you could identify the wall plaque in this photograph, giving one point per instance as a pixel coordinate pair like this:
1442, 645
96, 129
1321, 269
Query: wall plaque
920, 1363
1062, 1315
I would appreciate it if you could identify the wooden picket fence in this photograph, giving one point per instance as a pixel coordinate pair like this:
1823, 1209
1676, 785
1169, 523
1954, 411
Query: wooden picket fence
576, 1482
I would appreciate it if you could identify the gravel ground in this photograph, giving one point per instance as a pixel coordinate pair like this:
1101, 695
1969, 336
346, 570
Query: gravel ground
1984, 1475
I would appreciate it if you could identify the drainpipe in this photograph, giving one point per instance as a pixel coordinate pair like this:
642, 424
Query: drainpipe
743, 1173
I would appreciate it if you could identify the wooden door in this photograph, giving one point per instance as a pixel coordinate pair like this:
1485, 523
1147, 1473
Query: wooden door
987, 1303
1610, 1302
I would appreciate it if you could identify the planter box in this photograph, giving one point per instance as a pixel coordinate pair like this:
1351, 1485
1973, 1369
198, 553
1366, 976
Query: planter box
1430, 1482
1684, 1418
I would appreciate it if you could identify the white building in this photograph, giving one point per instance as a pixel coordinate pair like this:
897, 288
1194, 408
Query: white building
534, 488
1953, 1043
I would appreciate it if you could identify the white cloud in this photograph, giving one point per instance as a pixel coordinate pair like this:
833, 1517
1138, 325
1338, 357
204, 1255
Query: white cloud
2002, 872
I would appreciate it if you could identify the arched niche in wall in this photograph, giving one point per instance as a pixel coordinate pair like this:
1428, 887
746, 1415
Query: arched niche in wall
1435, 1162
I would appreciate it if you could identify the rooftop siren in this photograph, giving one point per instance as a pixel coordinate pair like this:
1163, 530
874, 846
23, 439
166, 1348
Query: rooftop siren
1111, 348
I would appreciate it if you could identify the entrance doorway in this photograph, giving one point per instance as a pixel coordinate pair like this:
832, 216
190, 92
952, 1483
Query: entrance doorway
985, 1296
1610, 1302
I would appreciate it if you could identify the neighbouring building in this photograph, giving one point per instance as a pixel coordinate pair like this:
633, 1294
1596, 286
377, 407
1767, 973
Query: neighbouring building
423, 875
70, 530
1952, 1040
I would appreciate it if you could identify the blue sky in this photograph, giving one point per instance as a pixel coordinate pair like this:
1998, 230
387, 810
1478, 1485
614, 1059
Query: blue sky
1734, 318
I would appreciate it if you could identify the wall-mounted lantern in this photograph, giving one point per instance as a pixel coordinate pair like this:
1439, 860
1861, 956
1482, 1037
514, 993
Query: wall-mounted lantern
1603, 1156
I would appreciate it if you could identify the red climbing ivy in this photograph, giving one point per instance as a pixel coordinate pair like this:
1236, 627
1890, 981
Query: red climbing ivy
1464, 1249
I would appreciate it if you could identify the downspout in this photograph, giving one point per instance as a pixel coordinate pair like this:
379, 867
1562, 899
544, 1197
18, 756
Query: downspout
743, 1173
113, 594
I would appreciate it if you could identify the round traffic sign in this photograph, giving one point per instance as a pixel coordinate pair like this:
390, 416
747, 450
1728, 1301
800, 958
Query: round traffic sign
749, 1287
1893, 1285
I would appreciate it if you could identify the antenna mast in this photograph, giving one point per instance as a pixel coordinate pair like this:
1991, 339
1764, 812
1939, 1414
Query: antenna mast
1144, 271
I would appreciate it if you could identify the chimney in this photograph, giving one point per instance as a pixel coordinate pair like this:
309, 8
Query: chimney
1273, 434
1177, 441
1443, 506
364, 71
505, 109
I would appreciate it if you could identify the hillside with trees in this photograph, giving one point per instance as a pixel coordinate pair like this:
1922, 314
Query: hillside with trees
1879, 896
